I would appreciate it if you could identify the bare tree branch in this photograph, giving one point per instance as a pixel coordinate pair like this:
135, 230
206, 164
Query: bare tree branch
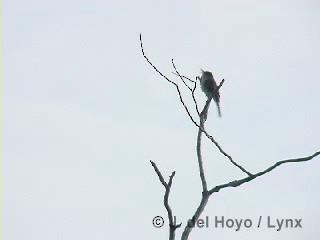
237, 183
225, 154
176, 85
193, 97
188, 228
205, 196
183, 77
172, 225
191, 89
177, 73
163, 182
200, 163
204, 114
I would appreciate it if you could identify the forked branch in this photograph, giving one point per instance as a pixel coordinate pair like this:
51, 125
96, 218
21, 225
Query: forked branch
167, 185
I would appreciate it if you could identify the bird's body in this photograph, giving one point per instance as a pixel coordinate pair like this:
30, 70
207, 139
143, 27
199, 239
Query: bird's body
210, 88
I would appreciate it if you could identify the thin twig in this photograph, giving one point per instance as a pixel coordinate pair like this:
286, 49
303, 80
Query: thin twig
183, 77
163, 182
176, 85
180, 75
191, 89
204, 113
193, 97
153, 65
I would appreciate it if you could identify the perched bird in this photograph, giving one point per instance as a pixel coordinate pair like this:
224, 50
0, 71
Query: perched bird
210, 88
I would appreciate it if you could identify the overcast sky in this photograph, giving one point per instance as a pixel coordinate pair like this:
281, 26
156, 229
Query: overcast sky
83, 113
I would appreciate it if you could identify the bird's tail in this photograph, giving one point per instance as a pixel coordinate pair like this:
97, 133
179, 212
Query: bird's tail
219, 110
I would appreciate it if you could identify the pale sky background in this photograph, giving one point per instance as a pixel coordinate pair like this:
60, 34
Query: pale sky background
83, 113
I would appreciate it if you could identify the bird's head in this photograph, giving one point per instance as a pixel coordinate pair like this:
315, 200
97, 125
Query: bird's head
206, 73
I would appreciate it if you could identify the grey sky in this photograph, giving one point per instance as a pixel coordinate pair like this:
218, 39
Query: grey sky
83, 113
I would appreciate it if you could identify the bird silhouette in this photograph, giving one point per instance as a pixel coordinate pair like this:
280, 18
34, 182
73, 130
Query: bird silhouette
210, 88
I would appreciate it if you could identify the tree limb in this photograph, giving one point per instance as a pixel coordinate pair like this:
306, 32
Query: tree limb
172, 225
239, 182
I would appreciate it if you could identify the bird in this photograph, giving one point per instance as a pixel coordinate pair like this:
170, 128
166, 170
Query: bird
210, 88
